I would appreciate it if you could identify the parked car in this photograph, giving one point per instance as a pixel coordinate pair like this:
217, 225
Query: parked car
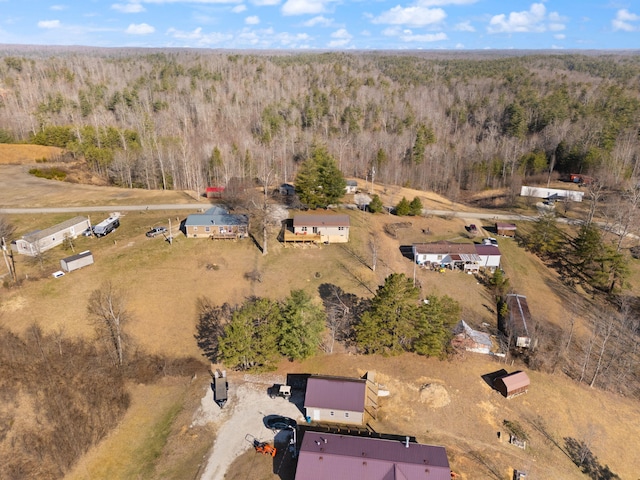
473, 229
88, 232
156, 231
276, 422
489, 241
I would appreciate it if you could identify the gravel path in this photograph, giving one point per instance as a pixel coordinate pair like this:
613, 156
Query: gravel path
243, 415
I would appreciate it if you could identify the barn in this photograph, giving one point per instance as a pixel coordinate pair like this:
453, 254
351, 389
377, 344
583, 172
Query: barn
513, 384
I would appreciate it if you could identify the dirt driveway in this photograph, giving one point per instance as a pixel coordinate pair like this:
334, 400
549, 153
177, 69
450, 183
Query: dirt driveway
241, 420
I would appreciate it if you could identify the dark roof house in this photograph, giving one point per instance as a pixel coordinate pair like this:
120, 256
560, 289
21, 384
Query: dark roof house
336, 399
343, 457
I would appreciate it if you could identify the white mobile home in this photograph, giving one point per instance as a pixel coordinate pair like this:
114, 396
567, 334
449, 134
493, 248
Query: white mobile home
40, 241
555, 193
74, 262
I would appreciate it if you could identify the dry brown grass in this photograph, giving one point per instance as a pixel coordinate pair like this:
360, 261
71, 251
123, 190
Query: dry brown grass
27, 154
163, 283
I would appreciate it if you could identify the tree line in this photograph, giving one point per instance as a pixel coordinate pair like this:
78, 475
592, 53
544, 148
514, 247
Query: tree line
261, 332
188, 119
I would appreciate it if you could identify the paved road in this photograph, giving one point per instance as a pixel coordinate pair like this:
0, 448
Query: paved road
105, 208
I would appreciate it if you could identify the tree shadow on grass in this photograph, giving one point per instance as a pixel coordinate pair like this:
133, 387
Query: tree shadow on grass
580, 454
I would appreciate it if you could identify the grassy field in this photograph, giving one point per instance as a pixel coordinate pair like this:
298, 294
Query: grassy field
163, 283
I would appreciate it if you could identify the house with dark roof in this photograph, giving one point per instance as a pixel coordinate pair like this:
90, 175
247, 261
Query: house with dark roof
489, 255
519, 323
217, 223
339, 399
332, 456
327, 228
40, 241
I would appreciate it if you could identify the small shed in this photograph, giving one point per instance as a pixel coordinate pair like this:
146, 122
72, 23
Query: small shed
339, 399
471, 340
351, 186
506, 229
74, 262
214, 192
512, 384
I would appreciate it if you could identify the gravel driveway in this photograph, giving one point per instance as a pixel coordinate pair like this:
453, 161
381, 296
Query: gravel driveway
240, 420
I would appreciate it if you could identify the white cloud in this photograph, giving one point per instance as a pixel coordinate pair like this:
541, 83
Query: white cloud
58, 8
623, 21
409, 36
204, 2
302, 7
443, 3
559, 36
533, 20
200, 39
262, 3
464, 27
139, 29
49, 24
239, 8
319, 21
128, 7
252, 20
341, 38
416, 16
459, 46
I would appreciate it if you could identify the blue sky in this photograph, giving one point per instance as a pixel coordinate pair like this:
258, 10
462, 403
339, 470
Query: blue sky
325, 24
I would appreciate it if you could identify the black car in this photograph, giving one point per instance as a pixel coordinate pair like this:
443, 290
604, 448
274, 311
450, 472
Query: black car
276, 422
156, 231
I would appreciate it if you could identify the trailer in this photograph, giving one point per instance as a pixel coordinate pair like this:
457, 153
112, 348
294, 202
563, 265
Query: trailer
220, 387
74, 262
107, 226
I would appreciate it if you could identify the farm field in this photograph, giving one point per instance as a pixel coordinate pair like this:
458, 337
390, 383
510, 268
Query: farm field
163, 284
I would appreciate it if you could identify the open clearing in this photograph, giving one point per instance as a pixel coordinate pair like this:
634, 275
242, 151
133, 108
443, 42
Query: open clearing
163, 284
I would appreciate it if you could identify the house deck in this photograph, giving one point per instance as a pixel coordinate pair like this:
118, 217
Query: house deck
289, 236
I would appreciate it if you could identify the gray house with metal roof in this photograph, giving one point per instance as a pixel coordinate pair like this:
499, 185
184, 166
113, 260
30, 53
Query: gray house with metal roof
40, 241
217, 223
343, 457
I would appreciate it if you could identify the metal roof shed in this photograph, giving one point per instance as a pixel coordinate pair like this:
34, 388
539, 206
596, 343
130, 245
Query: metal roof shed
513, 384
74, 262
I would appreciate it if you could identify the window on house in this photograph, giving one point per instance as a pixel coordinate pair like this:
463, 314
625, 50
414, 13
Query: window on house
340, 228
195, 229
207, 229
439, 257
304, 229
346, 414
332, 413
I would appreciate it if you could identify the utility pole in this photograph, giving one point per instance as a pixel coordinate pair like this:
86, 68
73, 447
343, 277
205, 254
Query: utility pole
170, 233
11, 266
373, 174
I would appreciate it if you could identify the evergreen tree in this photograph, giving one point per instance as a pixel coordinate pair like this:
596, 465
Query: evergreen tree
403, 208
376, 206
435, 325
249, 340
588, 247
389, 326
319, 181
546, 238
415, 207
424, 136
301, 326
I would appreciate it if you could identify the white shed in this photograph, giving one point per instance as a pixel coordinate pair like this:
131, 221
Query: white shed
74, 262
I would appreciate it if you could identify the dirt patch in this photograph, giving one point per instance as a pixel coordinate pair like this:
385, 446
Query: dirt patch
434, 395
28, 154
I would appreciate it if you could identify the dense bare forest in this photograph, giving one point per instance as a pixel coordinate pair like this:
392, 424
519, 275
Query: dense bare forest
444, 122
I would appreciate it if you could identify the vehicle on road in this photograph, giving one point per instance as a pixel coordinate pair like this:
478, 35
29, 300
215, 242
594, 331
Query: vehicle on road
490, 241
473, 229
156, 231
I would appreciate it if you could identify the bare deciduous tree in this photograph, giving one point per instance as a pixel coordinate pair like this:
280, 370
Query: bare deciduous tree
108, 313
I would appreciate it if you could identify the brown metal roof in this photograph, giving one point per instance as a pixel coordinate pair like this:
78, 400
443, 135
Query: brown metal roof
515, 381
343, 457
321, 221
487, 249
339, 393
505, 226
